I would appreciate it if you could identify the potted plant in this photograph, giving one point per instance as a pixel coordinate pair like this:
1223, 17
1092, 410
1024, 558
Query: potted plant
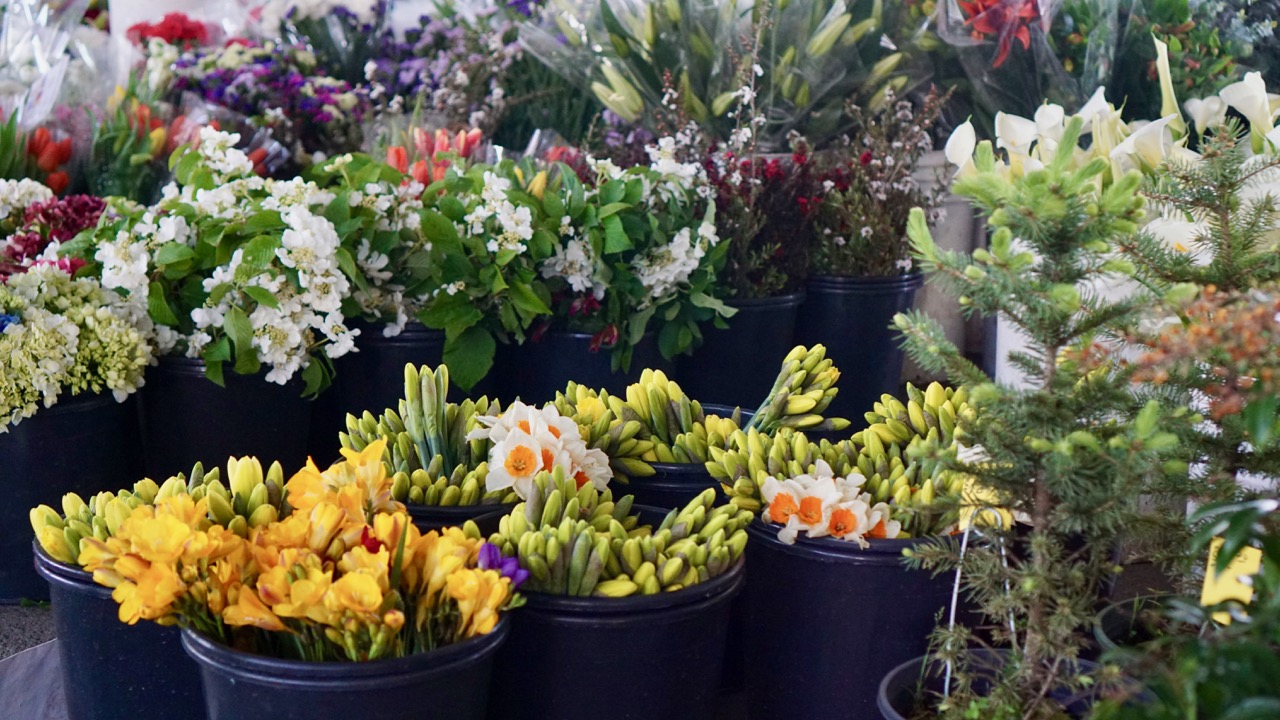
861, 272
834, 522
342, 606
74, 355
235, 272
616, 590
1230, 670
1072, 451
92, 642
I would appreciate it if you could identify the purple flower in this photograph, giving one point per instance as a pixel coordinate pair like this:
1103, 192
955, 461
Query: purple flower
7, 320
491, 559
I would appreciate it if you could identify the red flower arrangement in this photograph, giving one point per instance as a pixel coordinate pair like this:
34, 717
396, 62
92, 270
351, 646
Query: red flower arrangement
435, 153
1007, 20
56, 220
50, 155
174, 28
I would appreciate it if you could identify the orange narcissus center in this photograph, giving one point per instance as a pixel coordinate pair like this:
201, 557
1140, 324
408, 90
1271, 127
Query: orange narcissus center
521, 461
581, 478
782, 508
524, 425
811, 510
843, 522
554, 432
879, 530
548, 460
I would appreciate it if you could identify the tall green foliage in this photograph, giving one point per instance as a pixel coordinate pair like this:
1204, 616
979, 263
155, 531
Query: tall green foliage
1069, 452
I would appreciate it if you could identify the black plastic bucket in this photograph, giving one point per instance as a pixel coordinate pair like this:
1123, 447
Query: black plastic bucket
738, 365
851, 317
537, 370
671, 485
449, 683
1120, 623
85, 444
863, 611
372, 378
899, 691
434, 517
110, 670
186, 418
656, 657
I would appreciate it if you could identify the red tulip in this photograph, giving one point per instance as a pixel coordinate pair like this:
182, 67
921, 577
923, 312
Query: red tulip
398, 158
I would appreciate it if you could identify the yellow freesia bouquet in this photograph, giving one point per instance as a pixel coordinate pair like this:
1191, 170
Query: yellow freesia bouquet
344, 575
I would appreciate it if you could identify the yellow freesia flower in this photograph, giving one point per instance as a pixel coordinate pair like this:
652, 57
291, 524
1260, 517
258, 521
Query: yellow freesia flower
250, 610
357, 592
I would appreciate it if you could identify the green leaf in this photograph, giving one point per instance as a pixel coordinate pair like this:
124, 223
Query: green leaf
1260, 419
611, 209
703, 300
612, 192
314, 376
258, 255
527, 301
615, 238
469, 356
158, 307
173, 252
240, 330
451, 313
218, 351
213, 371
553, 206
263, 296
439, 229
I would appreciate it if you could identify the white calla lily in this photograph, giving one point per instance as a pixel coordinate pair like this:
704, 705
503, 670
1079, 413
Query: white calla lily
1168, 99
1014, 133
1249, 98
1149, 145
1207, 113
960, 147
1096, 105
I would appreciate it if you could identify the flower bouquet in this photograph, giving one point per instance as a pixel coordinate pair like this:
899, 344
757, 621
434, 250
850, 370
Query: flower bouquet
343, 36
176, 29
35, 155
232, 268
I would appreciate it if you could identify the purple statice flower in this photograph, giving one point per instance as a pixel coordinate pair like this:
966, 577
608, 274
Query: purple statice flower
6, 320
524, 7
491, 559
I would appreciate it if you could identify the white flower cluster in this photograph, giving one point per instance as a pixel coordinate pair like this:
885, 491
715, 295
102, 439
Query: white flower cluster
823, 505
62, 333
17, 195
528, 440
514, 224
575, 262
304, 316
665, 269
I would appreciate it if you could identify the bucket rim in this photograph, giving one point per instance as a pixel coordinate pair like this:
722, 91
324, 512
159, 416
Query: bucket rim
266, 670
786, 300
868, 283
723, 585
877, 550
64, 574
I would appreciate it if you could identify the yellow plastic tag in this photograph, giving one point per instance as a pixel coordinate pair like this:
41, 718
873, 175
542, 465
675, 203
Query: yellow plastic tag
1227, 586
975, 497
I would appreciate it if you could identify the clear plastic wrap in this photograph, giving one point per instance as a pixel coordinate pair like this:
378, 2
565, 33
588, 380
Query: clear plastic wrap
797, 66
1019, 53
34, 35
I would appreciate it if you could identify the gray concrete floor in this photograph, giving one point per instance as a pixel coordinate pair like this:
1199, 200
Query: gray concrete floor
23, 627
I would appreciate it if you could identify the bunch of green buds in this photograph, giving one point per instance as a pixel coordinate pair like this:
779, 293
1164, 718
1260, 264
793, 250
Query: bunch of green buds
252, 500
428, 455
805, 387
578, 541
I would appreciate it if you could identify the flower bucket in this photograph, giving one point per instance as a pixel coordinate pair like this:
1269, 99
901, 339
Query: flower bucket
864, 610
898, 692
435, 517
851, 317
538, 369
672, 485
85, 444
186, 418
449, 683
110, 670
738, 365
656, 657
1120, 623
372, 378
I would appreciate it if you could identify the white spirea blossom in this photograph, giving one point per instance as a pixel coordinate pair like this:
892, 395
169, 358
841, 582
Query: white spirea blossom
18, 195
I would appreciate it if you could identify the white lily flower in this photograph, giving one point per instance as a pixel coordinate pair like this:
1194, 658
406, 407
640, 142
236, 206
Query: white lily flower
1096, 105
1168, 99
1207, 113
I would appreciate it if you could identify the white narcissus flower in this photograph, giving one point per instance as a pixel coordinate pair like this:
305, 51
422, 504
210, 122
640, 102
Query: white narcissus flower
550, 439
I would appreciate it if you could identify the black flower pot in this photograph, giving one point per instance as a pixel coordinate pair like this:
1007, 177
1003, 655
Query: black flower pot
738, 365
898, 696
110, 670
433, 517
862, 610
372, 378
655, 657
448, 683
186, 418
535, 371
86, 445
1121, 624
851, 317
